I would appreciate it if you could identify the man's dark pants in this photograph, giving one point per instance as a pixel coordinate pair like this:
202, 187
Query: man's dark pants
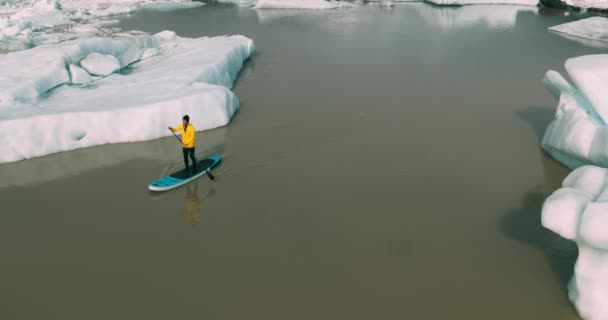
189, 152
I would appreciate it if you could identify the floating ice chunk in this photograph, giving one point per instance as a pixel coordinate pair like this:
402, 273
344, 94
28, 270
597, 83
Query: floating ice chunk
581, 214
171, 5
594, 28
166, 36
113, 9
345, 4
188, 76
578, 135
242, 3
467, 2
500, 17
100, 64
294, 4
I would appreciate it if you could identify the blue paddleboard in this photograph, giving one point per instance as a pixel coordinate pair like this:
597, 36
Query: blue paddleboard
182, 177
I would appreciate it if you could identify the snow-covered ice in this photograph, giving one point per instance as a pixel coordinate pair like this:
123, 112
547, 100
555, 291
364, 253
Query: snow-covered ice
41, 112
594, 28
468, 2
28, 23
579, 212
578, 135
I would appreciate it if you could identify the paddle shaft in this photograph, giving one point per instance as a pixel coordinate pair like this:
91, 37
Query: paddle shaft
208, 171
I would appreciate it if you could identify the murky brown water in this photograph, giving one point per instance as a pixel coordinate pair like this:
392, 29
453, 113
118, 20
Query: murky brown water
385, 164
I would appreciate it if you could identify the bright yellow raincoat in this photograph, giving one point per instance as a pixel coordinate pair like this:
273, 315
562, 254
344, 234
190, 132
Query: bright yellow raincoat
187, 135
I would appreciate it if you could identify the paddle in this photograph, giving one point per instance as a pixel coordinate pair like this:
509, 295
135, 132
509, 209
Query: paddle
208, 170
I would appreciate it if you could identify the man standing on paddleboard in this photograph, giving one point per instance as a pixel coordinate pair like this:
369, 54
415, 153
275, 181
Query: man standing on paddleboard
188, 138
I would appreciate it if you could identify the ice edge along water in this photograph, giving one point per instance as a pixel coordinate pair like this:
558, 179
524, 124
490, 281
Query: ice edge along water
579, 212
322, 4
578, 135
45, 108
594, 29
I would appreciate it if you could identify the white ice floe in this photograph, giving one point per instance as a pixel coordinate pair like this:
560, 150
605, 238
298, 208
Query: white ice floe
578, 135
27, 23
43, 112
594, 28
243, 3
493, 17
468, 2
579, 212
170, 5
295, 4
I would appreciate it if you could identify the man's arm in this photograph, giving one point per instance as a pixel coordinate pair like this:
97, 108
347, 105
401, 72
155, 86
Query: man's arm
176, 129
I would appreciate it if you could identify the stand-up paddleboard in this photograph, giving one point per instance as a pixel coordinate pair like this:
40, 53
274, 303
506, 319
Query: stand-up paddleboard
182, 177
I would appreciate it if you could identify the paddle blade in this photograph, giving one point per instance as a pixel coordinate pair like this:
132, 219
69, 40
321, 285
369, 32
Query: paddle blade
210, 175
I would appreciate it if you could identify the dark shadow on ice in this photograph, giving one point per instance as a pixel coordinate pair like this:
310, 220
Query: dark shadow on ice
538, 118
523, 224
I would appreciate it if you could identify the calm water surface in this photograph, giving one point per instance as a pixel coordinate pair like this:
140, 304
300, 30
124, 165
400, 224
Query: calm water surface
385, 164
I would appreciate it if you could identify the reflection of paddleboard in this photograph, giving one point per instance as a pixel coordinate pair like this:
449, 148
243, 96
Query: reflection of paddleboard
182, 177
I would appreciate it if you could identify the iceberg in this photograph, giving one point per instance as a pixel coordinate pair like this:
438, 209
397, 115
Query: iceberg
242, 3
493, 17
171, 5
578, 135
295, 4
468, 2
48, 104
594, 28
579, 212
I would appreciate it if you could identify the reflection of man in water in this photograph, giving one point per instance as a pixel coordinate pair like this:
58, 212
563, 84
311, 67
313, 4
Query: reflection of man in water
193, 204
